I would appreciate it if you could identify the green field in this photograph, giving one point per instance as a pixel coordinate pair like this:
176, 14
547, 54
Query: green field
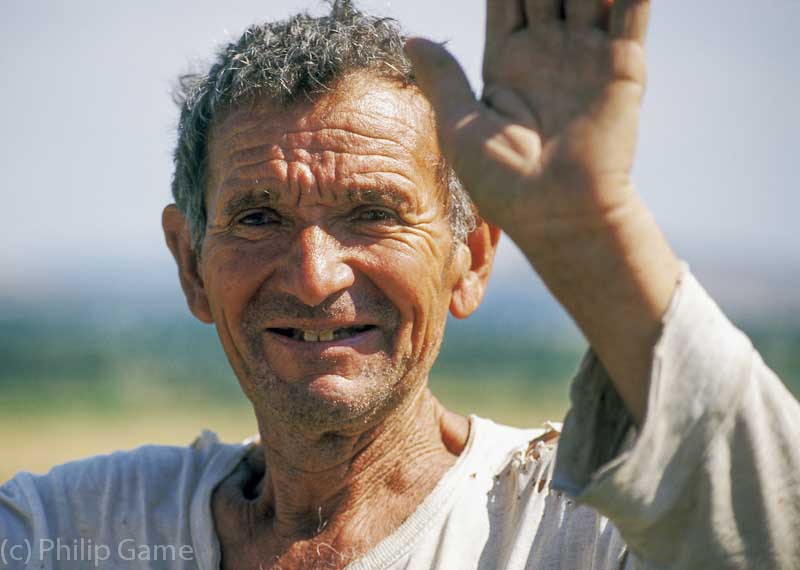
70, 391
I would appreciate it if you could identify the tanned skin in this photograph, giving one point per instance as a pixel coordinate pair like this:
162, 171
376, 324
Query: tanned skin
330, 215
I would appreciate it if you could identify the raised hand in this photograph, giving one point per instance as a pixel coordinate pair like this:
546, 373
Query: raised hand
553, 136
546, 154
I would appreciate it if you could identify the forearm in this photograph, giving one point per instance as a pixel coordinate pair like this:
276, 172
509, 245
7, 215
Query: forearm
615, 277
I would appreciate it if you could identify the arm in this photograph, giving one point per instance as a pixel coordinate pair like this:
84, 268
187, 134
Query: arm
546, 154
711, 480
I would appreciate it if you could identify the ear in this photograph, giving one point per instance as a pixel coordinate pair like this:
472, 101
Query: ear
477, 256
179, 242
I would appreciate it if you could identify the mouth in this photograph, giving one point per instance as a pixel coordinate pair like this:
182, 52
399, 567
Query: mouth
327, 335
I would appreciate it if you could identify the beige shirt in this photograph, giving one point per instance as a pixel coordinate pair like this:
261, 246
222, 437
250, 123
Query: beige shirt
711, 481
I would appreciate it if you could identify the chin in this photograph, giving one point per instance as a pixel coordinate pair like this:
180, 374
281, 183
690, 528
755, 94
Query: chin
323, 402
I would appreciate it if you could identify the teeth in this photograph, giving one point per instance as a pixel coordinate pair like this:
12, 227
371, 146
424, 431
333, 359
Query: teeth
321, 336
326, 335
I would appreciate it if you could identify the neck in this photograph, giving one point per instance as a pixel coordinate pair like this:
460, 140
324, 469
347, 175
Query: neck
331, 482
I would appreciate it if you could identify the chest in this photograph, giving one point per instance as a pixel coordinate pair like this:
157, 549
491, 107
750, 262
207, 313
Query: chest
270, 554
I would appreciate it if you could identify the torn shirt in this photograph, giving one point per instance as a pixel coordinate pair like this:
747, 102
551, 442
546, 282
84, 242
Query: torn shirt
710, 481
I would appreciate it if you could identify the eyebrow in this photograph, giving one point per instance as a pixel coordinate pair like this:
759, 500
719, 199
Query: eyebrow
378, 195
270, 198
255, 199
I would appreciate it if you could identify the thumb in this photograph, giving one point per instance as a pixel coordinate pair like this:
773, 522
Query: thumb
443, 82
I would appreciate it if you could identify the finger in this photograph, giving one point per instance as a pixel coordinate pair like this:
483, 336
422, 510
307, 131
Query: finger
503, 17
542, 11
629, 19
582, 14
442, 81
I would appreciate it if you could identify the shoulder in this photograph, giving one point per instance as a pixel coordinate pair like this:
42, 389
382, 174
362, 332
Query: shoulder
514, 458
499, 444
146, 467
150, 481
509, 503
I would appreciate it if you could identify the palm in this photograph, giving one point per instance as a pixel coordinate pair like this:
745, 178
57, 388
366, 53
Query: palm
554, 134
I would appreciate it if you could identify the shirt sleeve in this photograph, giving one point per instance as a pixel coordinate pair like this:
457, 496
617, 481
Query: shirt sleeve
712, 479
122, 510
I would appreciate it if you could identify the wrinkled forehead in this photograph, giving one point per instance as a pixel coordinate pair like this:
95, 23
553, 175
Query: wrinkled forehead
378, 124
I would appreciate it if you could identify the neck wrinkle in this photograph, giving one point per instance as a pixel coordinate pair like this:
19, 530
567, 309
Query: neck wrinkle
398, 462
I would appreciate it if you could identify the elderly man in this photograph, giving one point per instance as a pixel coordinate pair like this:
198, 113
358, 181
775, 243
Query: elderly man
321, 225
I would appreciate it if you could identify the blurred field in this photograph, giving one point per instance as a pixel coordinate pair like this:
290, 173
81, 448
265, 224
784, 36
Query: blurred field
35, 442
73, 388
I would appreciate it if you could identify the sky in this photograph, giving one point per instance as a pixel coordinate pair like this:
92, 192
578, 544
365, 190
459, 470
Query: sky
88, 130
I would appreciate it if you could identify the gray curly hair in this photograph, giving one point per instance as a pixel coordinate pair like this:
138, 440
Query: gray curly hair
284, 61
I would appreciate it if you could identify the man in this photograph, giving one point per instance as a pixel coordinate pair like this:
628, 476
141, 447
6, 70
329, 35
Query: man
321, 225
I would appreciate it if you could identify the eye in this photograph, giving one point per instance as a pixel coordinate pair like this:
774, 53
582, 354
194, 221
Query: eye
376, 215
258, 218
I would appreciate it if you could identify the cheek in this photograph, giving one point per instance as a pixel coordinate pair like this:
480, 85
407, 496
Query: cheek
232, 277
412, 275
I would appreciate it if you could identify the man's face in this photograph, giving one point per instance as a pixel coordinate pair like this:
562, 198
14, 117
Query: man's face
328, 262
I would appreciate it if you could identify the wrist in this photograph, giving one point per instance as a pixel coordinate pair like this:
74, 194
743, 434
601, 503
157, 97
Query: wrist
602, 267
585, 235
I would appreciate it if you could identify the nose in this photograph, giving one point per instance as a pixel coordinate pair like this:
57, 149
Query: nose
316, 268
